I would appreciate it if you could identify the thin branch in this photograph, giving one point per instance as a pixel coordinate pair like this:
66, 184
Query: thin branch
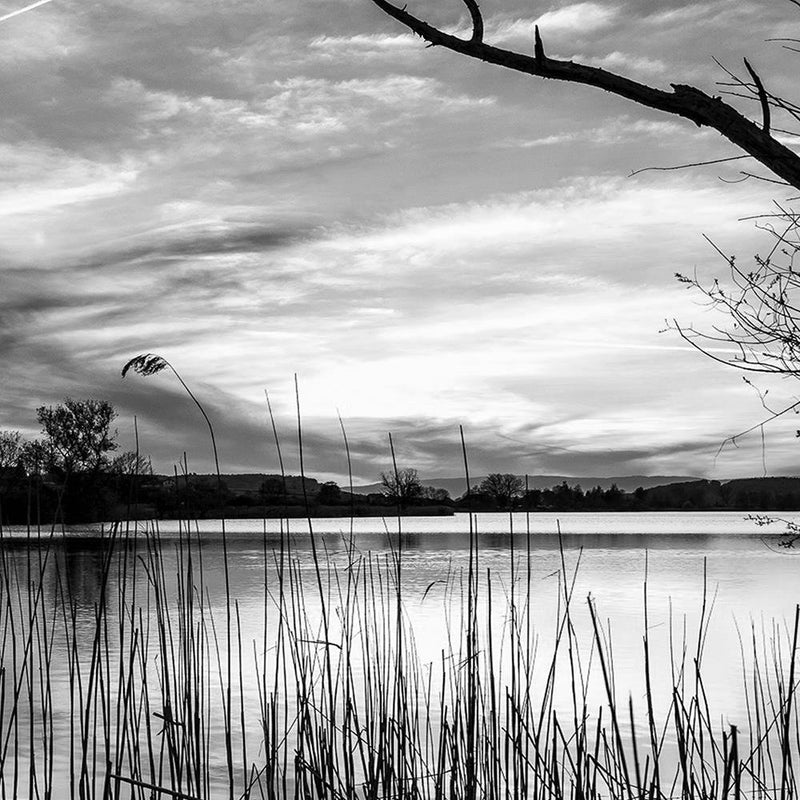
687, 166
477, 20
744, 178
763, 178
773, 416
711, 242
745, 366
762, 96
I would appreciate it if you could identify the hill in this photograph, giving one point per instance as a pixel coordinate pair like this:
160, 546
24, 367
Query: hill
251, 482
628, 483
750, 494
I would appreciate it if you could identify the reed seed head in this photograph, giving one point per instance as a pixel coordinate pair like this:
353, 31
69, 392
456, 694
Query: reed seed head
146, 364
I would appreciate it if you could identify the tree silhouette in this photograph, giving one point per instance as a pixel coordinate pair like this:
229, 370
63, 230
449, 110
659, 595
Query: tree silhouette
503, 488
12, 446
402, 486
79, 433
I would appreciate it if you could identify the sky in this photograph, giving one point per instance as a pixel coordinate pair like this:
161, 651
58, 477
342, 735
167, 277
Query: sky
254, 190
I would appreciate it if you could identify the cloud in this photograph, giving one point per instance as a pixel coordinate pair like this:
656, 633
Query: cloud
681, 16
198, 240
179, 154
299, 107
576, 18
498, 30
366, 47
39, 178
626, 63
618, 130
479, 237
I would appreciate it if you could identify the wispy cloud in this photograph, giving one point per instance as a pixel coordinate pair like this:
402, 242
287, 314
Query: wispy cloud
633, 65
577, 18
366, 46
614, 131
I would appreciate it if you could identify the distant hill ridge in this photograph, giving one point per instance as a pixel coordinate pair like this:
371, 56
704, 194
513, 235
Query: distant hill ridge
628, 483
251, 482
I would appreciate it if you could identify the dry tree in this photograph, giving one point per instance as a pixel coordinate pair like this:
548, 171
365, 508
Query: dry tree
760, 303
761, 140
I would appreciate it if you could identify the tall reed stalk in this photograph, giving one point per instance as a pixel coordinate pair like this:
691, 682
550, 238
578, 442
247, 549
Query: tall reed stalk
346, 708
123, 676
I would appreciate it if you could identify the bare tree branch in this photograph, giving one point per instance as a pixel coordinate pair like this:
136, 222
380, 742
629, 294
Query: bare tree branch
763, 178
686, 166
477, 20
773, 415
762, 96
761, 303
684, 101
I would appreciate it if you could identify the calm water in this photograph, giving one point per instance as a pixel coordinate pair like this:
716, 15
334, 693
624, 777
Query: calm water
748, 576
684, 557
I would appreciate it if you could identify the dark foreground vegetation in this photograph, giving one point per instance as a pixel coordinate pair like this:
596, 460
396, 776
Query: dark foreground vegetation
156, 696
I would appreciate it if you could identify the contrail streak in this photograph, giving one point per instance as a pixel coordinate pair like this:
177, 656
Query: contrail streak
23, 10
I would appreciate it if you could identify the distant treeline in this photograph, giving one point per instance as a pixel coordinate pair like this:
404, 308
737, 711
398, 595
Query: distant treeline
750, 494
81, 497
72, 475
107, 495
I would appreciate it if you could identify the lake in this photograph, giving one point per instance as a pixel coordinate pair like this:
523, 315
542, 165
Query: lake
694, 566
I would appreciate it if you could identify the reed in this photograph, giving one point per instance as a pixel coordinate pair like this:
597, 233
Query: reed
345, 706
127, 672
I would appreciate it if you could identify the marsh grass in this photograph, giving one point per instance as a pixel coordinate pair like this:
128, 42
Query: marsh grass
124, 691
138, 684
